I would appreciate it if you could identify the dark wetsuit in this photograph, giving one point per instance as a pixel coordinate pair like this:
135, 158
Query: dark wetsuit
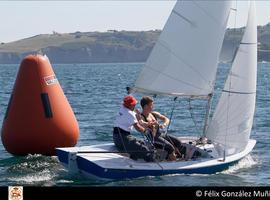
166, 141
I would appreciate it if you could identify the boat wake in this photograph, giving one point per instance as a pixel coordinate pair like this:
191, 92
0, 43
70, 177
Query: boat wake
33, 170
245, 163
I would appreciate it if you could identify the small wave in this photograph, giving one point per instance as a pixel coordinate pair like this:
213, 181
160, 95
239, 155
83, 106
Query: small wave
34, 170
42, 176
34, 163
245, 163
64, 181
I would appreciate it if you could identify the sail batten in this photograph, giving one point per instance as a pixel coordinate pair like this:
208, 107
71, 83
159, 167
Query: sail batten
184, 64
232, 121
237, 92
184, 18
208, 14
184, 59
154, 93
180, 81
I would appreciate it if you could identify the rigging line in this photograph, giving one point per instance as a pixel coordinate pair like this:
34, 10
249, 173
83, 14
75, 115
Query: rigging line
192, 116
183, 61
171, 115
169, 76
178, 151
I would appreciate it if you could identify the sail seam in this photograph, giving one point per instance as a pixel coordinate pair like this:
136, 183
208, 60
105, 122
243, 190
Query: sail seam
184, 18
240, 107
231, 127
152, 92
173, 78
233, 115
187, 64
232, 140
207, 14
248, 43
236, 92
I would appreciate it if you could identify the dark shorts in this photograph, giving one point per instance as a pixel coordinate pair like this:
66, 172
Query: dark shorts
137, 149
167, 142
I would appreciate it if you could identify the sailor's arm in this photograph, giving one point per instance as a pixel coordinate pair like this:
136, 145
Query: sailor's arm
163, 118
139, 127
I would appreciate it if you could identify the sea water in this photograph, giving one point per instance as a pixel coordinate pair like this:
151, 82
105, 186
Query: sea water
95, 92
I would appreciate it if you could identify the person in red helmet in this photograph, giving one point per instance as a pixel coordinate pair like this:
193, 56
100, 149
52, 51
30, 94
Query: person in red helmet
125, 122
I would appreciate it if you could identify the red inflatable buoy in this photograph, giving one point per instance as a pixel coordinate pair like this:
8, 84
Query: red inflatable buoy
38, 118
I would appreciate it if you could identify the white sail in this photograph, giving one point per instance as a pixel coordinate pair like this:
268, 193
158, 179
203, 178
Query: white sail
233, 118
185, 57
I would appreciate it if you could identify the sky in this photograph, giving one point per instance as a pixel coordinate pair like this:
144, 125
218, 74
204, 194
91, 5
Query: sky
22, 19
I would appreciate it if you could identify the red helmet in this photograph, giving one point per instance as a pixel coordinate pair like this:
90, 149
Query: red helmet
129, 101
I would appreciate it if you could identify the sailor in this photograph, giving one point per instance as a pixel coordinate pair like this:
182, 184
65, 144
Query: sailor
149, 119
125, 121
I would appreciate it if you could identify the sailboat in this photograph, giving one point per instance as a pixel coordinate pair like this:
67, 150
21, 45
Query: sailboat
183, 64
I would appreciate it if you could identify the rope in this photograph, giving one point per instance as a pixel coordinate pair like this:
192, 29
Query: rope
153, 146
169, 127
192, 117
171, 115
150, 140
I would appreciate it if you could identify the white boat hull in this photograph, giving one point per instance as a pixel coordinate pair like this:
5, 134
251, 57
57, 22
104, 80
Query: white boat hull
107, 164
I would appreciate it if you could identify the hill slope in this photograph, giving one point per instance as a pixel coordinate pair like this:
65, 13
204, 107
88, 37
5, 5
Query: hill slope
112, 46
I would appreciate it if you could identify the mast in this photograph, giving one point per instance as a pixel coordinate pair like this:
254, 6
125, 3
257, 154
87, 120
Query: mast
210, 97
207, 114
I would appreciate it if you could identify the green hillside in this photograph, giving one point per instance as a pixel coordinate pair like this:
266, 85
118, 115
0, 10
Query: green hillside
112, 46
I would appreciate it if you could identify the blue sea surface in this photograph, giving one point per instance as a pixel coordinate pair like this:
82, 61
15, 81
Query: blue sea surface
95, 92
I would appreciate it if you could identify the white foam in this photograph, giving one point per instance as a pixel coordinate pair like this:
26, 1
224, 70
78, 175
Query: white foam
33, 178
64, 181
31, 156
245, 163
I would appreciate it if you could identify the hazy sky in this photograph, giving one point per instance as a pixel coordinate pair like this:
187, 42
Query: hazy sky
21, 19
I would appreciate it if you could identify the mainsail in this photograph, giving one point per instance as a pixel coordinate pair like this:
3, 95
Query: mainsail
232, 120
184, 60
